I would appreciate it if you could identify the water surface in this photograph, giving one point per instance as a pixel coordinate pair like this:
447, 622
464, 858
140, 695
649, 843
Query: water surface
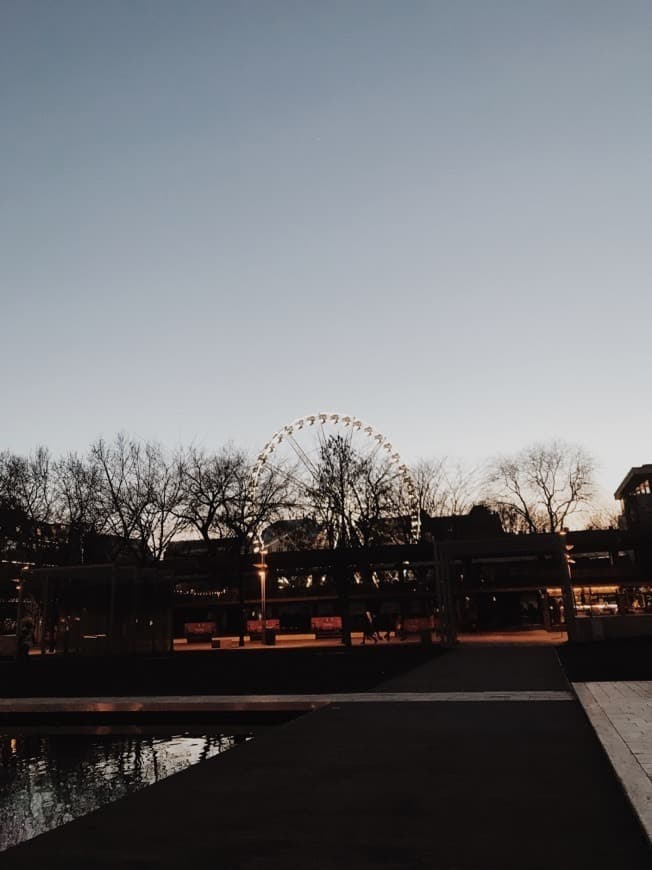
48, 779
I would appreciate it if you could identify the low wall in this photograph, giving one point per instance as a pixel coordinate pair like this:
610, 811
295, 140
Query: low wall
611, 627
7, 646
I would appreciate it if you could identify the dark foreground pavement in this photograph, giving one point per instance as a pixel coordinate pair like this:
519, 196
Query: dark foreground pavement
485, 669
463, 785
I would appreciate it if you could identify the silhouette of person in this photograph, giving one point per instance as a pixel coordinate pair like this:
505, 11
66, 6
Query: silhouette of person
25, 637
369, 631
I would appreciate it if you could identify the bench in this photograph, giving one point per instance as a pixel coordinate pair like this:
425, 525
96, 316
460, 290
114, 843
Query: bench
326, 626
199, 632
255, 627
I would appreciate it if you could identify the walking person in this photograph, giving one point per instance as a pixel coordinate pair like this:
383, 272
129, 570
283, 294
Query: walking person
369, 630
390, 626
25, 637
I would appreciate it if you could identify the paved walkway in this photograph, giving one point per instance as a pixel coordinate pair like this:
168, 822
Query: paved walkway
398, 784
522, 637
621, 714
532, 637
186, 704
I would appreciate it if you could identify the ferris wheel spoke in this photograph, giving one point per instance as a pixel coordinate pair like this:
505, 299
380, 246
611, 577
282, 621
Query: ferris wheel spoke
291, 477
302, 456
371, 456
379, 483
390, 475
321, 440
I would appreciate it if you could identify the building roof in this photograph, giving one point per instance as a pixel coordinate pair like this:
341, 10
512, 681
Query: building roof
196, 547
480, 522
633, 477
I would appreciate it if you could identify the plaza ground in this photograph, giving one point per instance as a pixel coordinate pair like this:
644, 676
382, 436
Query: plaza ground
494, 766
286, 641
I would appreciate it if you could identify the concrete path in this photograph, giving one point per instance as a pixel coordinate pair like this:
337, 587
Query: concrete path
621, 715
534, 637
440, 784
188, 704
482, 669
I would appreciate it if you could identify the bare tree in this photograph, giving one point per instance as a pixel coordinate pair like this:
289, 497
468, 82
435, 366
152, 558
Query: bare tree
242, 514
14, 532
7, 495
141, 490
78, 503
543, 487
26, 500
511, 519
26, 483
161, 477
445, 488
207, 482
352, 496
123, 498
463, 485
603, 517
429, 477
216, 501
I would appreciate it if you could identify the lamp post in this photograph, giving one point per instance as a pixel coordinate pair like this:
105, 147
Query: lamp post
19, 617
262, 574
567, 587
20, 583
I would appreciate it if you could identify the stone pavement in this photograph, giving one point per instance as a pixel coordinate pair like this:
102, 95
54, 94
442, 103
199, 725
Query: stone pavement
621, 715
437, 784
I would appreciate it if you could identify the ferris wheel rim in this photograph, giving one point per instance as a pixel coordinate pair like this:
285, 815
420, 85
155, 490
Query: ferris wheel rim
348, 421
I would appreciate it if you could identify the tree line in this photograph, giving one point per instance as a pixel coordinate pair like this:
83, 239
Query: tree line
139, 496
135, 495
545, 487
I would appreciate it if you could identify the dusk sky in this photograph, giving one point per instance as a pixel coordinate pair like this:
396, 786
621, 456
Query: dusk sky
218, 216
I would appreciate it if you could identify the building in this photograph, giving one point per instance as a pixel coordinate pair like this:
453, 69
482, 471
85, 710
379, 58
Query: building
635, 496
495, 580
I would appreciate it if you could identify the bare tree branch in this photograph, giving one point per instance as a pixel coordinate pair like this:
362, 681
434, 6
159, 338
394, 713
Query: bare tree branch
541, 488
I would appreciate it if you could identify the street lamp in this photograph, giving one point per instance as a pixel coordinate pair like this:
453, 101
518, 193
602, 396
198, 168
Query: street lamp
262, 574
567, 588
20, 585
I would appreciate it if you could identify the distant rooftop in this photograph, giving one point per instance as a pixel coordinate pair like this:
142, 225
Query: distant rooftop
635, 476
480, 522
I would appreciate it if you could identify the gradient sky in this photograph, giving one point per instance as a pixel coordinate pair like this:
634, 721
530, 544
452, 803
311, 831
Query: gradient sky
218, 216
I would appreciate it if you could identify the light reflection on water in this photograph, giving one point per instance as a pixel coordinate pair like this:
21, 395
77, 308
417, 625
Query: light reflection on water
47, 780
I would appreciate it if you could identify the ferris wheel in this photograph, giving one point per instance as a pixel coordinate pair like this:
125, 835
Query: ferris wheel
299, 451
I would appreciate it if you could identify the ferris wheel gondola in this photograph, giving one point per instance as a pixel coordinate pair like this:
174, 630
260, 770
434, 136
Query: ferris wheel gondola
305, 437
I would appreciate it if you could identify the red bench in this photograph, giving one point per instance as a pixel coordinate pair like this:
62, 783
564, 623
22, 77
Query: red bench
326, 626
255, 627
197, 632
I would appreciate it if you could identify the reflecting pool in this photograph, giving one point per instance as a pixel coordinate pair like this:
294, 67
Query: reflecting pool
49, 779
